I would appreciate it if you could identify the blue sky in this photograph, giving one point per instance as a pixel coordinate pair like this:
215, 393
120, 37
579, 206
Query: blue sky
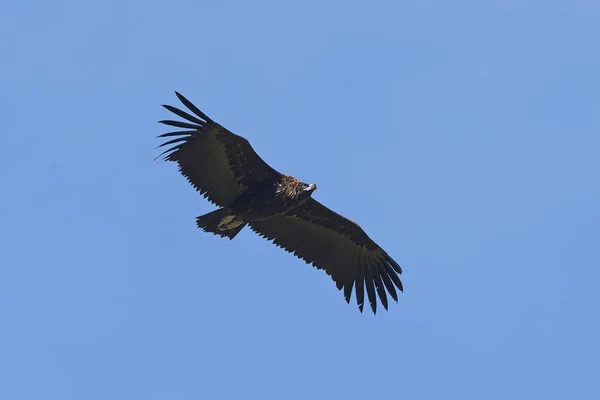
463, 136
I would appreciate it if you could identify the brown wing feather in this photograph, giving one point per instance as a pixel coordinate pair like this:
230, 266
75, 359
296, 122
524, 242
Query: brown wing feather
337, 245
218, 163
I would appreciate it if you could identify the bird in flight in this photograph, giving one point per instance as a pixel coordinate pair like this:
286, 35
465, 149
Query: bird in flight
226, 170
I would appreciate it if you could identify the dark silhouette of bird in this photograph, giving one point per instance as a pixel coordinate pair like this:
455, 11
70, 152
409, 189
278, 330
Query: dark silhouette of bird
226, 170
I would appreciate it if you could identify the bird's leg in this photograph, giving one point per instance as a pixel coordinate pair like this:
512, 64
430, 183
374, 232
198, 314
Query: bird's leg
229, 222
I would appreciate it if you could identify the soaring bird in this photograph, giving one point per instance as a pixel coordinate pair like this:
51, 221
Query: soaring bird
226, 170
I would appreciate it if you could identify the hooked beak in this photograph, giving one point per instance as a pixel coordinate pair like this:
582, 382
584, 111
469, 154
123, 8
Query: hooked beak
311, 188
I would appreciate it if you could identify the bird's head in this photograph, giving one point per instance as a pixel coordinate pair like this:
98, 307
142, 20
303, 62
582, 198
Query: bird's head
305, 190
294, 189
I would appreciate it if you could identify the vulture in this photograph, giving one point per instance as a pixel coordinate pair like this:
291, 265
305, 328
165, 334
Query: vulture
226, 170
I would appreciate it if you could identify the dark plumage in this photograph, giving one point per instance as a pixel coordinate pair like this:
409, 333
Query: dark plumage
225, 169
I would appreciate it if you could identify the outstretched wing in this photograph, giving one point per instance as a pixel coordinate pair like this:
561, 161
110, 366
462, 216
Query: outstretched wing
337, 245
218, 163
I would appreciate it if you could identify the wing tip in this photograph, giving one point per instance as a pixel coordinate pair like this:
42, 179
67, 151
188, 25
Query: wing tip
193, 108
394, 264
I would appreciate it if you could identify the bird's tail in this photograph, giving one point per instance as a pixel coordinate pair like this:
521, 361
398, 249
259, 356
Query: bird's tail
221, 223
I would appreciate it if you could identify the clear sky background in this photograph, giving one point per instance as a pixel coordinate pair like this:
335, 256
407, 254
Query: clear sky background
463, 136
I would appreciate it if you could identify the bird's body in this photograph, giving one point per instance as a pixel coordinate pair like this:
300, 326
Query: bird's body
271, 198
263, 201
225, 169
